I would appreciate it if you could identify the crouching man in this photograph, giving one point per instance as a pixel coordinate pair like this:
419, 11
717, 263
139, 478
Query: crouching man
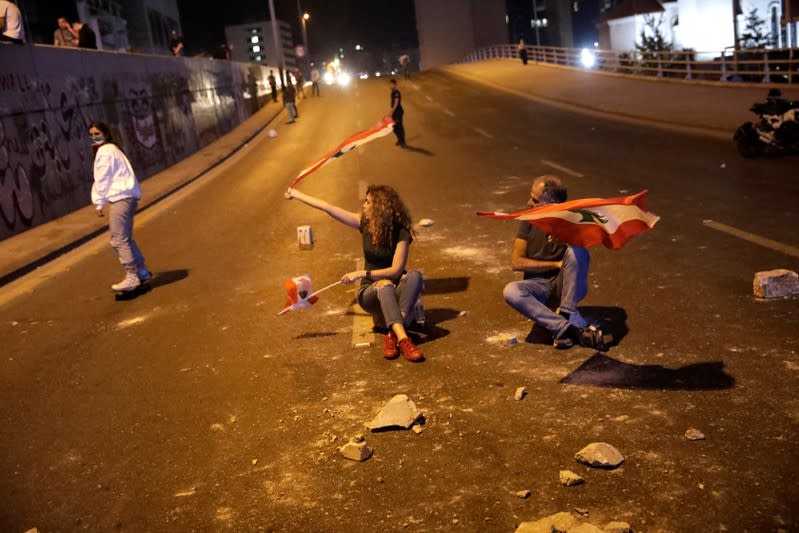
555, 277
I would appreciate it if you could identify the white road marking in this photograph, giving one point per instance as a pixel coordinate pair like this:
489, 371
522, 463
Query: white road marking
751, 237
428, 98
484, 133
448, 112
565, 170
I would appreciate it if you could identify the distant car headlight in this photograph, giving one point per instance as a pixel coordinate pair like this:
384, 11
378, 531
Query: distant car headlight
329, 78
364, 75
343, 79
587, 58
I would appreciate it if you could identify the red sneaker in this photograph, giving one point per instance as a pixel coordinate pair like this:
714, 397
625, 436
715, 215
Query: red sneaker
409, 350
390, 346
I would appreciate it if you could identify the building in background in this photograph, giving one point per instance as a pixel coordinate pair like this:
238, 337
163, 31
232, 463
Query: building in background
254, 42
449, 30
699, 25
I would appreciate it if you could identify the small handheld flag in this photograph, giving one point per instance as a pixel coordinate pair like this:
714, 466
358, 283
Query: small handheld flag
589, 221
383, 127
299, 295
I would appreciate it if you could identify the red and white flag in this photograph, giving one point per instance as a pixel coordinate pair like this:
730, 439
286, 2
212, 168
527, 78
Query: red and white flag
589, 221
384, 127
299, 294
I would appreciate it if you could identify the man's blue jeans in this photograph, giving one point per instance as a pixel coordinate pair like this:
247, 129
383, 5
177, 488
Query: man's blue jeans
534, 297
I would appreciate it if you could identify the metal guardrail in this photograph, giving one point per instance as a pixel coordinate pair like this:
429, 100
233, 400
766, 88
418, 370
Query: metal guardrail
768, 65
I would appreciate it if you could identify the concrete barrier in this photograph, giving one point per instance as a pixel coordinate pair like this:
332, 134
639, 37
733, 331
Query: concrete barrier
161, 110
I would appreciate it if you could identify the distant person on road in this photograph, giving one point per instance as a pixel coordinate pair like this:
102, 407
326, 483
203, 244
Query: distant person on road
288, 101
555, 276
404, 61
272, 85
63, 34
11, 27
397, 113
298, 84
85, 35
522, 49
176, 43
314, 81
385, 286
115, 185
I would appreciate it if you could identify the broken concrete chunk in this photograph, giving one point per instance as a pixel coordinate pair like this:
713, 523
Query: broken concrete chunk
570, 479
600, 455
520, 393
694, 434
523, 494
618, 527
554, 523
356, 451
586, 527
778, 283
399, 412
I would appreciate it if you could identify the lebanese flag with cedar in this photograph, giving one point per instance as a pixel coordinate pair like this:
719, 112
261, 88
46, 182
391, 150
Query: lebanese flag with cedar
589, 221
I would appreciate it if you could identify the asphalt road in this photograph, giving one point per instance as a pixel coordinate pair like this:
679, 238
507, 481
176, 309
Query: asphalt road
195, 408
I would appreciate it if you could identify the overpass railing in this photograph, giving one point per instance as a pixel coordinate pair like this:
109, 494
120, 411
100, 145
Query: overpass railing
767, 65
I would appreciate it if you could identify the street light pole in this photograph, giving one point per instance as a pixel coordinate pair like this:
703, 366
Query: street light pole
304, 19
278, 45
535, 17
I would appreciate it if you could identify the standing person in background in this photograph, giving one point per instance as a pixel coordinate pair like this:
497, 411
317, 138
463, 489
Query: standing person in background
314, 80
404, 61
176, 43
288, 100
63, 34
522, 49
11, 28
272, 85
115, 184
85, 36
397, 112
386, 287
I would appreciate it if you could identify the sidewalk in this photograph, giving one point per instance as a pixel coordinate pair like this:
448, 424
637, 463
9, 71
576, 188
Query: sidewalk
688, 106
693, 107
26, 251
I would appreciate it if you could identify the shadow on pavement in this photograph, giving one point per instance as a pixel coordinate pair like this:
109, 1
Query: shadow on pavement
603, 371
445, 285
417, 149
316, 335
612, 320
170, 276
431, 331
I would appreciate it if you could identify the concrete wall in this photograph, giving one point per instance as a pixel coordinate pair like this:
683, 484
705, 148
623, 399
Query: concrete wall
161, 109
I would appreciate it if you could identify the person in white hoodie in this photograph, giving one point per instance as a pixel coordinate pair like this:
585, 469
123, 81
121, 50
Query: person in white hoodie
115, 185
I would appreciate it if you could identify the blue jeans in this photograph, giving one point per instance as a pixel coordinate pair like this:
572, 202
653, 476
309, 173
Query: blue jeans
395, 303
533, 297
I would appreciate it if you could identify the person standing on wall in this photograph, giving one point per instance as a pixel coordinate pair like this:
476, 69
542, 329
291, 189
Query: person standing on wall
397, 112
11, 29
115, 185
85, 36
63, 34
176, 43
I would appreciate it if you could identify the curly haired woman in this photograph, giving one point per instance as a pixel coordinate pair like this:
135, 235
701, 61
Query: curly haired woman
386, 234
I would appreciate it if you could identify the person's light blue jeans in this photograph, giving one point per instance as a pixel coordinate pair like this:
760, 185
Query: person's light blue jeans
535, 297
120, 225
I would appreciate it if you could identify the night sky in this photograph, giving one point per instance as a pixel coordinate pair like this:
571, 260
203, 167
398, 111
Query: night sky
376, 24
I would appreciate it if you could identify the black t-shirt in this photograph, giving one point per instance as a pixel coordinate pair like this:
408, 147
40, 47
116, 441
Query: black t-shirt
377, 256
87, 38
396, 97
541, 248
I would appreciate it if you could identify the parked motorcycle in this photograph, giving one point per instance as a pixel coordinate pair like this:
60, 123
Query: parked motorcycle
776, 130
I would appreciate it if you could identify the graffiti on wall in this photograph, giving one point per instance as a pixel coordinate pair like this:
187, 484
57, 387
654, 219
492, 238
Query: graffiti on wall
162, 115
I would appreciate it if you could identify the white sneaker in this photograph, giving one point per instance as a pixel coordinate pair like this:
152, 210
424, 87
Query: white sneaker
144, 274
130, 282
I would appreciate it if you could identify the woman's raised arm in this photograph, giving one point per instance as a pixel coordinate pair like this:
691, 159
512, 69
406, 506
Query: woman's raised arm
349, 218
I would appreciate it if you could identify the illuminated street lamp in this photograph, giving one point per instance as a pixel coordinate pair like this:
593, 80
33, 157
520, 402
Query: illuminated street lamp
304, 19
